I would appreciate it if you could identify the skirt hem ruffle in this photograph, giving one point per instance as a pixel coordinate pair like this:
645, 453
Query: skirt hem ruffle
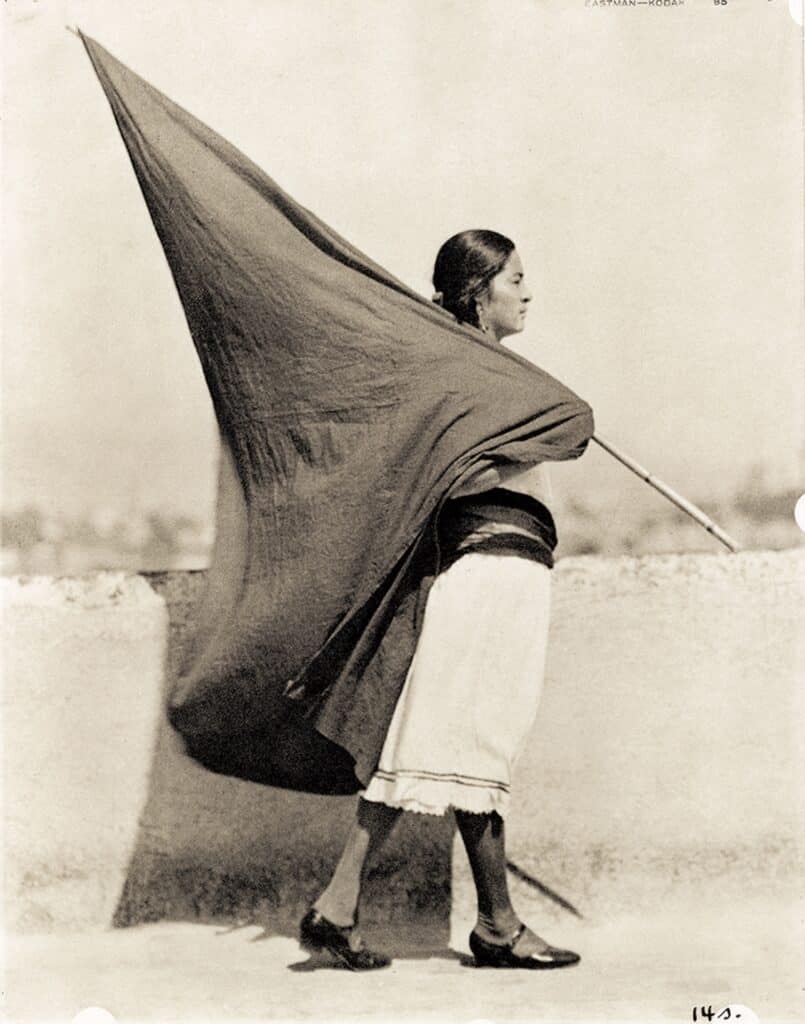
426, 797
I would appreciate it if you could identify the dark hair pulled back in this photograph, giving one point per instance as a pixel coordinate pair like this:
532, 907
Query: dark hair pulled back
465, 265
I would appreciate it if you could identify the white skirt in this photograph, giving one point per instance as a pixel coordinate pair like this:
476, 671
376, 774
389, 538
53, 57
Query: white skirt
472, 689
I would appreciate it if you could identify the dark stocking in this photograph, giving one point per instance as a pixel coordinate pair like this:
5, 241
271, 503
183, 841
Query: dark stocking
485, 842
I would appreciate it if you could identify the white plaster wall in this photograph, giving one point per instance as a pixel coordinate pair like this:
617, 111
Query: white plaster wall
82, 676
667, 751
674, 704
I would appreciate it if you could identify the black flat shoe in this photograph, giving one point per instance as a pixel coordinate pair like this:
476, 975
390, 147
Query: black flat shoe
489, 954
316, 933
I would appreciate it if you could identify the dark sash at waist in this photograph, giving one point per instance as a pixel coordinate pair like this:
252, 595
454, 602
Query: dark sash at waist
497, 521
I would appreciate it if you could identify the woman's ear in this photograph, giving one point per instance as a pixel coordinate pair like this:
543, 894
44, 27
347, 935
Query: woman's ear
481, 303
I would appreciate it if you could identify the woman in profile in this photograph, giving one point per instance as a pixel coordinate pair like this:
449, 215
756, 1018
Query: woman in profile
473, 686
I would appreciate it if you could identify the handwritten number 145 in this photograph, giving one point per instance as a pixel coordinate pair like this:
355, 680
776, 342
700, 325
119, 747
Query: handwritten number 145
708, 1013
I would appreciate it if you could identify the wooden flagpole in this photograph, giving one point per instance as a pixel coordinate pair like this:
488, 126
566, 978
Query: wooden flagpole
669, 493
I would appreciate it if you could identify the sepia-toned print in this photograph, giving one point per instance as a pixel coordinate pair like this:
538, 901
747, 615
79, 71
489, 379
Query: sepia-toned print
402, 548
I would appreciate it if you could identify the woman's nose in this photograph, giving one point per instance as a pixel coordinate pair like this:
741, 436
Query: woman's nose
526, 295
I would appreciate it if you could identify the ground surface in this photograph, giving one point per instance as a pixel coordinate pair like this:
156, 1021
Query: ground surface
644, 967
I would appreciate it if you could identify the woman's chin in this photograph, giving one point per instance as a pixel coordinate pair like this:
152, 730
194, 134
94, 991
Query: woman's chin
515, 327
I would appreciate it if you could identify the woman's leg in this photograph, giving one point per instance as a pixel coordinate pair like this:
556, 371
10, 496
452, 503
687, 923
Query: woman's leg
485, 841
372, 826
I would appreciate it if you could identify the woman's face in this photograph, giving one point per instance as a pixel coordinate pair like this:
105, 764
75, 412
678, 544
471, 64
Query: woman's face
502, 308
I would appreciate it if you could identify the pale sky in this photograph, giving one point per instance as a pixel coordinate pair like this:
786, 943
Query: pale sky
647, 161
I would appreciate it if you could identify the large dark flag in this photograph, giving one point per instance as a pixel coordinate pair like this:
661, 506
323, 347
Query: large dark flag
348, 408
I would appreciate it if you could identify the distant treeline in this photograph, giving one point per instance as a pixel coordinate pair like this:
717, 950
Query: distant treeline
38, 542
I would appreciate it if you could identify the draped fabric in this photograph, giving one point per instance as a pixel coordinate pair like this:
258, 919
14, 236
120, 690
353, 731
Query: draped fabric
348, 408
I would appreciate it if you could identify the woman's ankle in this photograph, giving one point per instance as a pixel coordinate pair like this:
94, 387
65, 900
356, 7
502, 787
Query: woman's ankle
341, 916
498, 926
